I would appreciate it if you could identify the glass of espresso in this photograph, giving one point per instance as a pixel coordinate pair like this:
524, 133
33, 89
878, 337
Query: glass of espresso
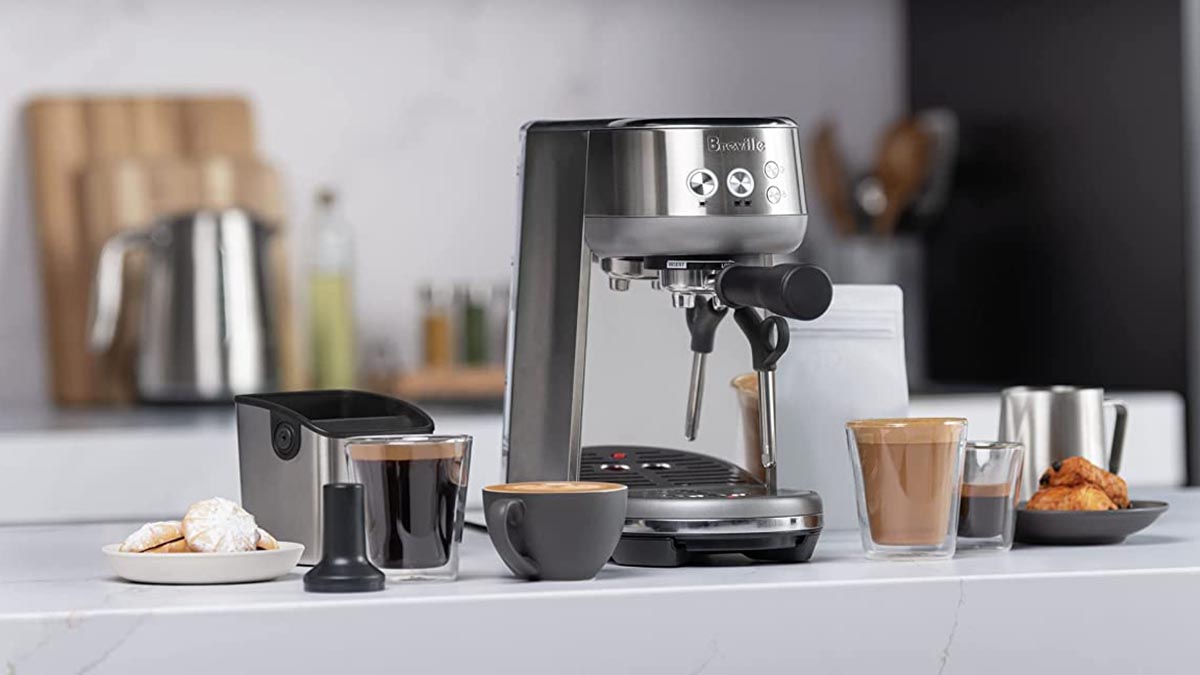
907, 478
990, 481
415, 493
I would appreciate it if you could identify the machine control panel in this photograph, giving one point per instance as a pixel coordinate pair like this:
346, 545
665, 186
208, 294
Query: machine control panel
740, 183
687, 168
646, 182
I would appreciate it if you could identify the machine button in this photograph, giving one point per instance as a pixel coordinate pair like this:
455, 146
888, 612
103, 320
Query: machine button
285, 441
771, 169
740, 183
774, 194
702, 183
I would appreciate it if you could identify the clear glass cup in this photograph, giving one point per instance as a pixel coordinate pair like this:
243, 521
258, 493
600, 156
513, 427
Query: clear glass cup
746, 388
907, 479
415, 490
991, 478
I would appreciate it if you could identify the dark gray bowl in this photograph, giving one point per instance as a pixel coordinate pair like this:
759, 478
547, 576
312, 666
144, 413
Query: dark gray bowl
1081, 528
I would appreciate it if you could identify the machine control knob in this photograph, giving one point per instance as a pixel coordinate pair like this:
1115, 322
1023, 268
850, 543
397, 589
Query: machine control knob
702, 183
740, 183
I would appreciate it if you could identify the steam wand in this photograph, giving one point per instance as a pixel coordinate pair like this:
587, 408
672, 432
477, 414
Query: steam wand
769, 339
790, 290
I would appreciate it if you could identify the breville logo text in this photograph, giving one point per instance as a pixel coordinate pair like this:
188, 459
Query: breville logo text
747, 144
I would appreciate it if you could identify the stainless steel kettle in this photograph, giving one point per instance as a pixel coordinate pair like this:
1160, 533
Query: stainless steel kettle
207, 332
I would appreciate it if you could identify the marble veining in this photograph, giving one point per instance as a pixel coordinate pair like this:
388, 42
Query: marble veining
958, 607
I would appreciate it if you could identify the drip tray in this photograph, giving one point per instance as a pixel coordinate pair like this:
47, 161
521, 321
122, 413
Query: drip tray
685, 507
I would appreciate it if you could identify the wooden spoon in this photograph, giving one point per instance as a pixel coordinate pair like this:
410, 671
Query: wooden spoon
831, 178
902, 166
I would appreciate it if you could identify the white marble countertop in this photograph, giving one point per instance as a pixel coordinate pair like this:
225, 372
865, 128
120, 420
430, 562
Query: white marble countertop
1089, 609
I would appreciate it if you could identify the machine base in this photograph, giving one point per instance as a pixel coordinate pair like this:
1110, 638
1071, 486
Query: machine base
668, 551
686, 507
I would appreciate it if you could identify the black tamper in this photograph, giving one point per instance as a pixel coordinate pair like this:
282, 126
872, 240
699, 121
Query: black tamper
344, 567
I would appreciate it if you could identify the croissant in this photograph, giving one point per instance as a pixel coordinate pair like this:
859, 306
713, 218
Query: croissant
1076, 498
1077, 471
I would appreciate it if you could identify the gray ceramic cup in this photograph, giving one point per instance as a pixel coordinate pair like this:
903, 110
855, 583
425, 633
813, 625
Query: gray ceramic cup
557, 531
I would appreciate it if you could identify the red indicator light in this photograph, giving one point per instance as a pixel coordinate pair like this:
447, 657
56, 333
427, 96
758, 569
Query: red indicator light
618, 455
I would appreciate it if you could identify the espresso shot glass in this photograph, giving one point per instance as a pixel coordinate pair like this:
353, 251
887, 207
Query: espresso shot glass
415, 494
991, 478
907, 478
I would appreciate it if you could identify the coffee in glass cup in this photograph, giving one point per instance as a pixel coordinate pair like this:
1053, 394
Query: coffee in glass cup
907, 479
414, 488
746, 388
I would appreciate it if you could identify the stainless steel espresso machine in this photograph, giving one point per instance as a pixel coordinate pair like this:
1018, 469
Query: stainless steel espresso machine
694, 207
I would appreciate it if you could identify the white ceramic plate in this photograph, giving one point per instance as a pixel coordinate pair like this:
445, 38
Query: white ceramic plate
204, 568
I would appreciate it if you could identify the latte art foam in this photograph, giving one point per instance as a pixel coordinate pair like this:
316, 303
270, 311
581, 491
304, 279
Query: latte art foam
548, 487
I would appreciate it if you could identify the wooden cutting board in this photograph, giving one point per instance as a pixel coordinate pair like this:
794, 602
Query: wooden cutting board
104, 164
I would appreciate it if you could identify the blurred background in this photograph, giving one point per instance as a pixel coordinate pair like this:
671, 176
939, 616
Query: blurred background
1020, 169
411, 113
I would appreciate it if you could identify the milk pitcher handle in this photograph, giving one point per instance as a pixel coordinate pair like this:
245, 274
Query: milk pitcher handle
1118, 439
105, 306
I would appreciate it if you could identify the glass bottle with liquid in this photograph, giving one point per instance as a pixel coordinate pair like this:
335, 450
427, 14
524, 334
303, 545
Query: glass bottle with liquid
330, 296
437, 326
474, 322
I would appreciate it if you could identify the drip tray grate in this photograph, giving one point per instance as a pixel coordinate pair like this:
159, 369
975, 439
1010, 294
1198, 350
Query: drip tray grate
643, 467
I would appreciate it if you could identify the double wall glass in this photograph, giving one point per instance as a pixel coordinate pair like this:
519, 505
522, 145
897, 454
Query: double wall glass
415, 489
906, 475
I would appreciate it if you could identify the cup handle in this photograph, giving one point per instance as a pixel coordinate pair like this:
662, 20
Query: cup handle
509, 512
1118, 439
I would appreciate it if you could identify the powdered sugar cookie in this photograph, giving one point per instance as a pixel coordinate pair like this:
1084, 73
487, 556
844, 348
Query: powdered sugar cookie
153, 535
219, 526
265, 541
177, 546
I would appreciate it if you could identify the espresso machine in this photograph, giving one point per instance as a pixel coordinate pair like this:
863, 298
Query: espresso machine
694, 208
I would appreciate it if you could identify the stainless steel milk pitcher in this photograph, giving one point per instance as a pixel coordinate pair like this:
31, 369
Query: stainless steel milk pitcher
1059, 422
